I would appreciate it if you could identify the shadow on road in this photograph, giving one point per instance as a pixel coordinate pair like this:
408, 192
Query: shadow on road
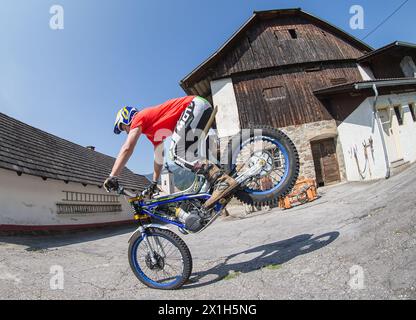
269, 255
40, 242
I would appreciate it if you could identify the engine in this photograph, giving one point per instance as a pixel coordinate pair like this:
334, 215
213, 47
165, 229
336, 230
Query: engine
192, 215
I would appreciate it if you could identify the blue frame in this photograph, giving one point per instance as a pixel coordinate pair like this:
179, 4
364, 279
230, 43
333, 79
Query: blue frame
146, 207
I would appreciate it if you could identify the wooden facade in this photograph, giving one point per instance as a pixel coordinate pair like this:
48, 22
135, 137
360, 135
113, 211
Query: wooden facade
284, 97
276, 61
283, 41
271, 39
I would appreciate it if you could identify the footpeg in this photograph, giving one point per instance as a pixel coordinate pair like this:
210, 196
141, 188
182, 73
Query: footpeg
224, 201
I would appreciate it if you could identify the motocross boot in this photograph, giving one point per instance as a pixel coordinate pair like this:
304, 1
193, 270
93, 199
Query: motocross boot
223, 183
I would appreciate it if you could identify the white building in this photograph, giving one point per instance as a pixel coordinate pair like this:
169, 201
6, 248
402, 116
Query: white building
376, 117
167, 181
48, 183
379, 136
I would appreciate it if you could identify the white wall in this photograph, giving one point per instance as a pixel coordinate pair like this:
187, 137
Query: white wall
407, 131
223, 96
30, 201
355, 131
360, 126
167, 183
366, 73
408, 67
408, 134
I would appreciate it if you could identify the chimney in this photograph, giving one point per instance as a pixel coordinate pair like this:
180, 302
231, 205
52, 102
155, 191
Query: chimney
91, 148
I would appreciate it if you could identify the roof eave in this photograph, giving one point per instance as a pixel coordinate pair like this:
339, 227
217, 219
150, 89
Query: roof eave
212, 56
385, 48
359, 86
388, 83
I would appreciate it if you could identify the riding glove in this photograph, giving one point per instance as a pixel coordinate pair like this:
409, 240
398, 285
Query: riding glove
150, 190
111, 184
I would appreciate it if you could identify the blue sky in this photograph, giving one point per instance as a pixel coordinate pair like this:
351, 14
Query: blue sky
113, 53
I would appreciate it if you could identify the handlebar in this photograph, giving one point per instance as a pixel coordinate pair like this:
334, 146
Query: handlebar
124, 192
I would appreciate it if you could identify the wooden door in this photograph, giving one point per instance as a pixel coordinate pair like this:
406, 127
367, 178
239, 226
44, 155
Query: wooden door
326, 162
316, 152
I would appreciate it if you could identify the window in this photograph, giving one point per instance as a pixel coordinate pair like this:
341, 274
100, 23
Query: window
274, 93
412, 108
398, 112
337, 81
408, 67
293, 33
313, 69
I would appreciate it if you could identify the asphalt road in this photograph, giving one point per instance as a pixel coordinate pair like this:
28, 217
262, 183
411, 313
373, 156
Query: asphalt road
356, 242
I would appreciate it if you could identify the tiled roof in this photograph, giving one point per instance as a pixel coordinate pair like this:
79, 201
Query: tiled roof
25, 149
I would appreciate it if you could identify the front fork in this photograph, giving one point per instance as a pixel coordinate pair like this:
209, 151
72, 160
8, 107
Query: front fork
150, 248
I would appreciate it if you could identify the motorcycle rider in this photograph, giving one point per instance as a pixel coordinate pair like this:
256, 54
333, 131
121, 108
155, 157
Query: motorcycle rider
184, 119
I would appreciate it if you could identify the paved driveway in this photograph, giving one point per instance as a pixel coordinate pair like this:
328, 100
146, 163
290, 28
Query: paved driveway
357, 242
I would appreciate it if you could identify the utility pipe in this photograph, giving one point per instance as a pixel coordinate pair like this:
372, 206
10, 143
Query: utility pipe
380, 129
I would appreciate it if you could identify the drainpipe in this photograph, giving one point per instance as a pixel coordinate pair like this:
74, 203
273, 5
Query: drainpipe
380, 129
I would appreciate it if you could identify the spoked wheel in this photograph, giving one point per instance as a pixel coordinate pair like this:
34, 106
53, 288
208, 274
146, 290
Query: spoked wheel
167, 267
280, 168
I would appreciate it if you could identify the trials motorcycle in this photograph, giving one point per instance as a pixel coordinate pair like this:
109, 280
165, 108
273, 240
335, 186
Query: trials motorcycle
265, 163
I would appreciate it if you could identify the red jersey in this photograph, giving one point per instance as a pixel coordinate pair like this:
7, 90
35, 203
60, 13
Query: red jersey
159, 122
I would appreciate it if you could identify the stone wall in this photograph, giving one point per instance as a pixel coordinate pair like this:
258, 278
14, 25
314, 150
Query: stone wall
302, 136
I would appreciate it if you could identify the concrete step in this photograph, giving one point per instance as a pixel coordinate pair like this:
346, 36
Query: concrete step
399, 166
397, 163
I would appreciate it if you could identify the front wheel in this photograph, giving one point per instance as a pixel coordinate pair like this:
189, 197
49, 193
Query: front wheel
167, 265
278, 176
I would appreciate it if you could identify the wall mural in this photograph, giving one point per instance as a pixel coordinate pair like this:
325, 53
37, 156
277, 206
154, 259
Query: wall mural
367, 149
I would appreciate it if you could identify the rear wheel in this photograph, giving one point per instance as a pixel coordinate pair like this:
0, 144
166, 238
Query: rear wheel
279, 174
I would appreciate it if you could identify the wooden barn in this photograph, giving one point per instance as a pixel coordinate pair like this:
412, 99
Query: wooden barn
268, 73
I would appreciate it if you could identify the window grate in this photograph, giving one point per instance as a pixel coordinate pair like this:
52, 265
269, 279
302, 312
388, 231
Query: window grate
66, 208
274, 93
338, 81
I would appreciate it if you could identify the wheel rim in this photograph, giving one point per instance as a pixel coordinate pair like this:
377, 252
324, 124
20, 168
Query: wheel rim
169, 266
270, 181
